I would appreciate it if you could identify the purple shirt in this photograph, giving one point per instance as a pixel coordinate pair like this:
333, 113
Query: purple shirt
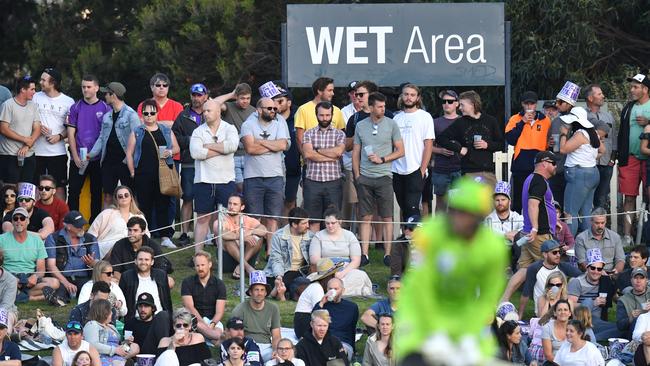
87, 119
195, 116
536, 187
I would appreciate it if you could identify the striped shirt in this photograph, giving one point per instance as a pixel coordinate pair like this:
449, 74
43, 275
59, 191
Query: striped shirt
324, 171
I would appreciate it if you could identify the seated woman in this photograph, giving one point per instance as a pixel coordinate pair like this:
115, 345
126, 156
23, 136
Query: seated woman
378, 351
8, 203
511, 348
578, 351
554, 290
340, 245
110, 225
189, 347
103, 271
286, 352
9, 351
102, 335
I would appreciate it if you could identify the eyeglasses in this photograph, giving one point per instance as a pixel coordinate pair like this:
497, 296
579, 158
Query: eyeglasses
449, 101
162, 85
554, 285
108, 273
24, 199
375, 130
122, 196
559, 101
45, 188
555, 252
147, 114
19, 218
274, 109
598, 269
181, 326
550, 162
10, 195
359, 95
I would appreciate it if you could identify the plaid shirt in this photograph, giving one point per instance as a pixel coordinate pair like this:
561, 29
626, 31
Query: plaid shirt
324, 171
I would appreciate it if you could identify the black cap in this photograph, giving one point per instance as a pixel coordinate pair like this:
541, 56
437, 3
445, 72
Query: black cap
529, 97
54, 73
448, 92
545, 156
641, 79
352, 85
549, 104
284, 91
235, 323
75, 218
147, 299
412, 222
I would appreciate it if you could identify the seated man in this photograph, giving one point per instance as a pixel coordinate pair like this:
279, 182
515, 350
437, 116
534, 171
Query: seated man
384, 306
64, 353
344, 313
48, 201
289, 253
633, 303
599, 236
638, 258
71, 252
25, 258
8, 289
235, 329
254, 233
100, 290
40, 221
125, 249
204, 295
504, 221
148, 327
320, 347
401, 251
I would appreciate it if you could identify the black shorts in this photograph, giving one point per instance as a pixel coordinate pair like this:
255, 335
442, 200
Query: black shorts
56, 166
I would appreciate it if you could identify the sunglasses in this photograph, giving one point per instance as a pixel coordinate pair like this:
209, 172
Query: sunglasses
24, 199
359, 95
598, 269
162, 85
375, 130
72, 326
108, 273
555, 252
45, 188
10, 195
550, 162
449, 101
125, 195
553, 285
285, 349
147, 114
274, 109
181, 326
19, 218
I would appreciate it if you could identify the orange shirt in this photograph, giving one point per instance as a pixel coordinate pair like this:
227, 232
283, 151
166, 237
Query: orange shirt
533, 136
231, 223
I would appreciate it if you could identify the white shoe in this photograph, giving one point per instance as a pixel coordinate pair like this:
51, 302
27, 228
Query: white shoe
627, 240
167, 243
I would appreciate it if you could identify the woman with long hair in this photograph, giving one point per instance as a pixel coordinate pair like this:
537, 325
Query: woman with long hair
103, 271
236, 353
110, 225
511, 348
103, 335
554, 332
379, 350
8, 203
554, 290
578, 351
583, 314
9, 351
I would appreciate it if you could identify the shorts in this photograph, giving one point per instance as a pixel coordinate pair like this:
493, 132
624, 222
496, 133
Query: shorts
187, 182
318, 196
375, 191
264, 196
239, 169
631, 175
442, 181
531, 252
56, 166
291, 188
349, 190
207, 196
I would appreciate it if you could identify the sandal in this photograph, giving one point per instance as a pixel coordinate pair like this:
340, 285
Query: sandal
236, 273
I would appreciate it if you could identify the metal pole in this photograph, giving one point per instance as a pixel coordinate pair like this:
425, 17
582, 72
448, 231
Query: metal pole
507, 93
283, 53
242, 261
220, 242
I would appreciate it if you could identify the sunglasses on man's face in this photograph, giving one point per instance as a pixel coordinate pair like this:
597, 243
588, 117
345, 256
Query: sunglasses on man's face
597, 269
271, 109
162, 85
24, 199
45, 188
19, 218
449, 101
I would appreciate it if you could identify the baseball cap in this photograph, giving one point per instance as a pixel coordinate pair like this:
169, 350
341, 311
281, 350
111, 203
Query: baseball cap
412, 222
639, 272
352, 85
147, 299
529, 97
549, 245
74, 326
448, 92
20, 211
54, 73
545, 156
75, 218
641, 79
235, 323
114, 87
198, 89
549, 104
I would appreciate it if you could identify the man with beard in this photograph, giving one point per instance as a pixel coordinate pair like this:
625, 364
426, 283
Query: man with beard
145, 279
504, 221
322, 149
204, 296
186, 122
265, 139
254, 232
212, 147
149, 327
323, 89
40, 221
48, 201
599, 236
125, 249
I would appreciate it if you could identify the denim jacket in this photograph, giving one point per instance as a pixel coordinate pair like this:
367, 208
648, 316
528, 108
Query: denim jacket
140, 132
281, 251
127, 121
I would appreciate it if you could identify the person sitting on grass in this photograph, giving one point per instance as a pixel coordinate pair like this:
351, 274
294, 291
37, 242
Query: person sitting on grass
385, 306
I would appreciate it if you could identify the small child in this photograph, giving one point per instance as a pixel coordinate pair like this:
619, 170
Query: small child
583, 314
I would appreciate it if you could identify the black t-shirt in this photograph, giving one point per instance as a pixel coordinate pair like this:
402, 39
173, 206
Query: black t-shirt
114, 151
206, 297
537, 189
149, 153
139, 329
35, 221
351, 126
122, 252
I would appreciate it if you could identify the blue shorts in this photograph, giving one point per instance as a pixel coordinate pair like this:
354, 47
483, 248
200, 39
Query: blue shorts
239, 169
442, 181
207, 197
264, 196
187, 182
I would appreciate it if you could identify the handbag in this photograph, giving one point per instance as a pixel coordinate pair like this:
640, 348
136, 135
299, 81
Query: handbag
168, 178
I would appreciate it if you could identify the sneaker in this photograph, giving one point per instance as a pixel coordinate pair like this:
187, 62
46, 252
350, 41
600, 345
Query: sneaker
387, 260
628, 241
183, 240
51, 297
364, 260
167, 243
209, 240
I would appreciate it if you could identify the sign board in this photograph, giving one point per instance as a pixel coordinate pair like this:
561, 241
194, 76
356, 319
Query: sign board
426, 44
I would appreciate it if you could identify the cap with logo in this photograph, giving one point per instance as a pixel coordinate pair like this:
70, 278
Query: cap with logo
235, 323
412, 222
198, 89
529, 97
75, 218
114, 87
146, 299
641, 79
569, 93
74, 326
352, 85
54, 73
27, 190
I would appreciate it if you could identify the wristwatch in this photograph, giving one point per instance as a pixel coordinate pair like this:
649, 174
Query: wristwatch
383, 159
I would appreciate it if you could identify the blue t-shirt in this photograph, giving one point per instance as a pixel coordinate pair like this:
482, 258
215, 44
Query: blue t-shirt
10, 349
382, 307
344, 315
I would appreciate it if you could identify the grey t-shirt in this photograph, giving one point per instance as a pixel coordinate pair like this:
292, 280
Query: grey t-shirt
381, 143
610, 141
548, 333
583, 289
236, 117
21, 120
270, 164
323, 246
258, 323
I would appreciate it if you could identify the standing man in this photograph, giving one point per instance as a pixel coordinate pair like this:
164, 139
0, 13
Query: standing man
377, 142
409, 171
631, 163
236, 113
322, 149
48, 201
112, 141
527, 132
83, 127
20, 126
53, 107
595, 101
550, 109
265, 140
184, 125
355, 103
446, 163
323, 89
212, 147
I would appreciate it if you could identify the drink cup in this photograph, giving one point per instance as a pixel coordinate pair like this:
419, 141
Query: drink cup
369, 150
161, 151
21, 160
145, 359
83, 153
128, 334
556, 142
331, 294
478, 138
523, 240
602, 294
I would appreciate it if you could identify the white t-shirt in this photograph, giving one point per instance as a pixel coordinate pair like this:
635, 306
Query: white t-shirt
585, 155
588, 355
415, 128
348, 111
67, 354
309, 298
542, 276
147, 284
53, 113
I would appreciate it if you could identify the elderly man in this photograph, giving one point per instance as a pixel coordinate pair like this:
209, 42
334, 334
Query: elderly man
345, 315
599, 236
320, 347
633, 303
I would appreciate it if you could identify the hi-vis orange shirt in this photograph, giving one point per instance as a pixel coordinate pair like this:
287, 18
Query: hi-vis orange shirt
528, 139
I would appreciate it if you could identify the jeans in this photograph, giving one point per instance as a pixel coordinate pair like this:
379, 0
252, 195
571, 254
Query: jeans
602, 191
581, 184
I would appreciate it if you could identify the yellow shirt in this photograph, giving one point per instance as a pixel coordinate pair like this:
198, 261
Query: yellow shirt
306, 117
296, 257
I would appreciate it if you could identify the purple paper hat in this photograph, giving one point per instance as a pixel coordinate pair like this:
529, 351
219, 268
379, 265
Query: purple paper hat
27, 190
502, 188
594, 256
269, 90
257, 278
505, 308
569, 93
4, 318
